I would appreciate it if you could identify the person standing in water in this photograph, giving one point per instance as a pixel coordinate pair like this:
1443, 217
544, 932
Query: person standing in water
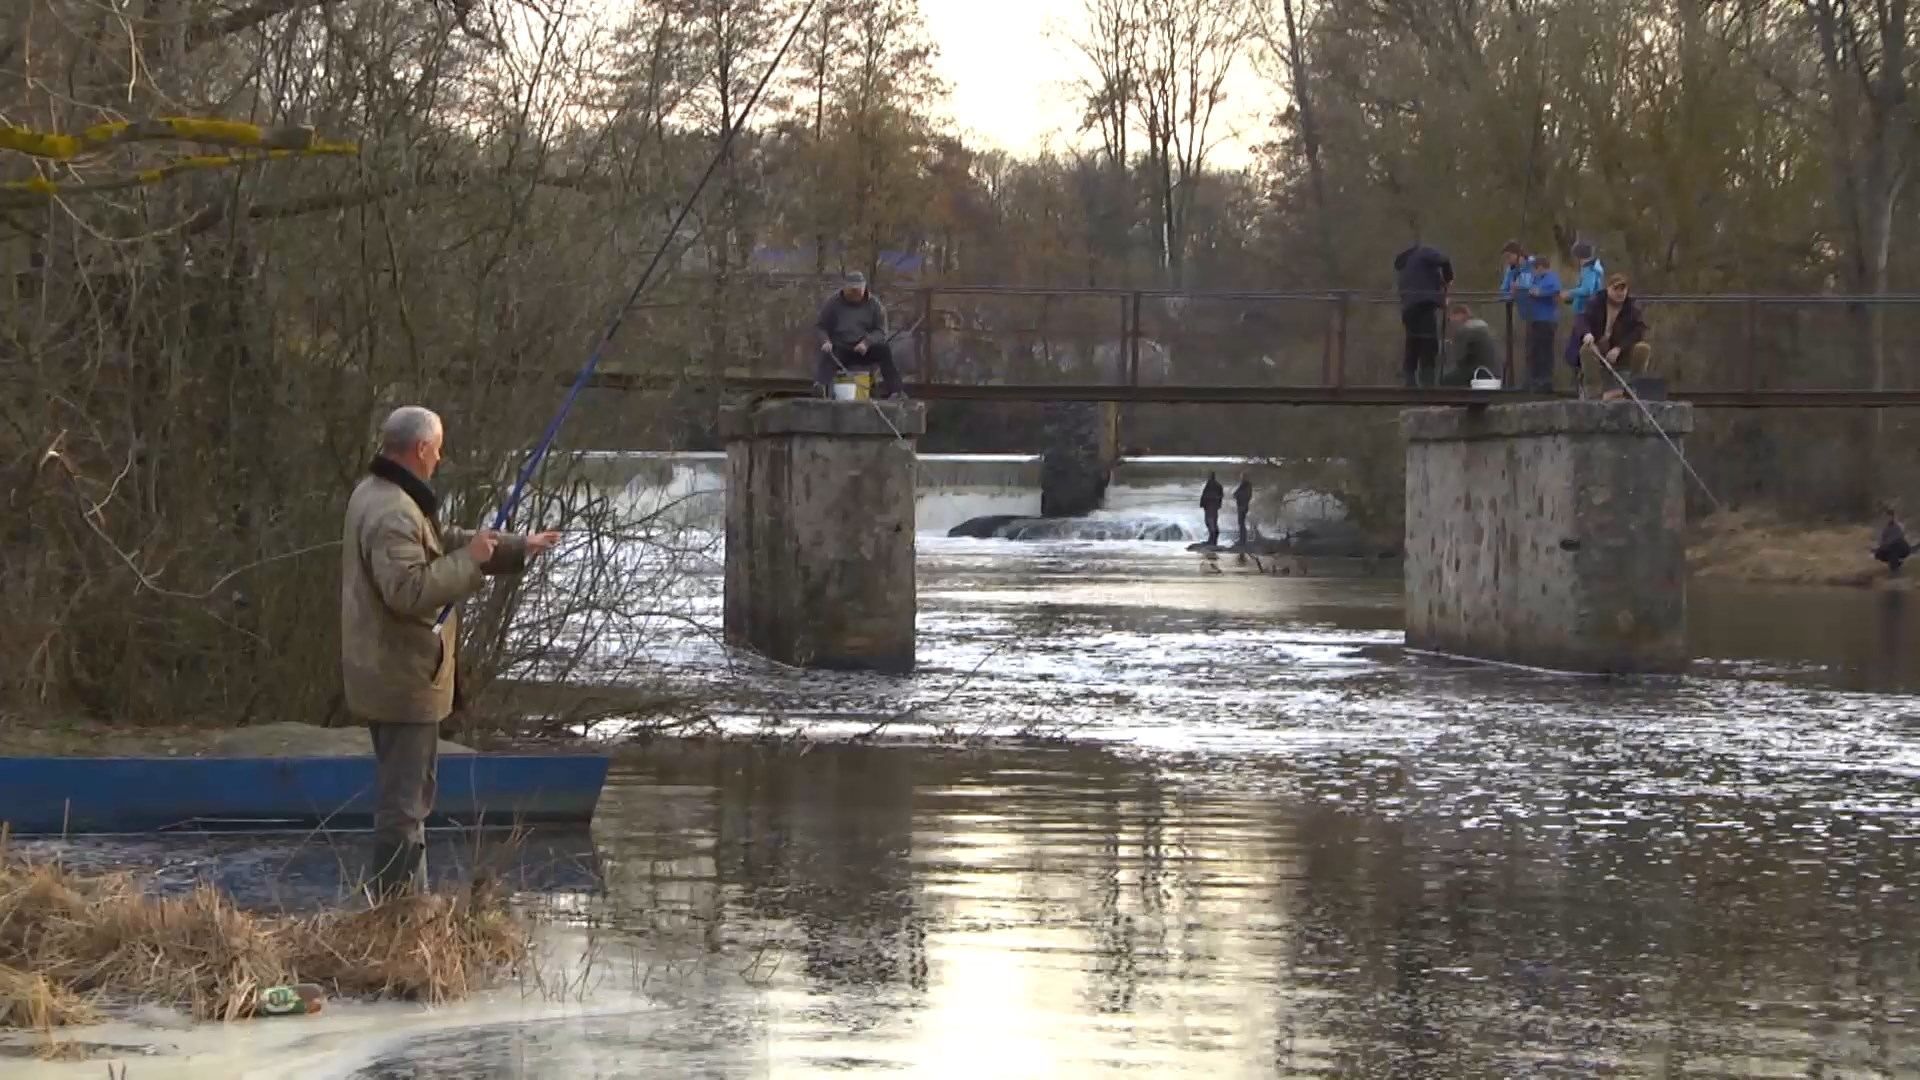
1242, 502
1211, 497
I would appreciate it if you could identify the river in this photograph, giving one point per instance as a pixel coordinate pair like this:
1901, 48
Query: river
1147, 812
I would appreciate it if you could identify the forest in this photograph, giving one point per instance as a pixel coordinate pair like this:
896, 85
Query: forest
193, 356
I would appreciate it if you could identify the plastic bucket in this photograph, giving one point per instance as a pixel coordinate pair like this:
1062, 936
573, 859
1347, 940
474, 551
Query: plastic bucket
856, 386
1484, 380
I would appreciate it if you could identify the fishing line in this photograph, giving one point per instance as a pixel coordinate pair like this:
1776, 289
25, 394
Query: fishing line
1624, 385
540, 449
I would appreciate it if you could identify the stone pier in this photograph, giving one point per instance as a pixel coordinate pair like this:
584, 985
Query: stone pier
1082, 445
1548, 534
820, 531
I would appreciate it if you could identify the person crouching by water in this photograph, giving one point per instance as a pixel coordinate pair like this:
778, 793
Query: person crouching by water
853, 334
399, 567
1893, 548
1614, 327
1211, 497
1473, 347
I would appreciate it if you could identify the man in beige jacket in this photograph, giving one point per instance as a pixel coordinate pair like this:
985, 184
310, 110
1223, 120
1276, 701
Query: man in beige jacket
399, 567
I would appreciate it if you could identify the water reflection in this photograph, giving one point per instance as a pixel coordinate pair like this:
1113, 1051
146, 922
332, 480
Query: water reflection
1856, 639
1074, 912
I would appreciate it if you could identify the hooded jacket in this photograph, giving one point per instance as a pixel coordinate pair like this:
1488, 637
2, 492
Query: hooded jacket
1591, 282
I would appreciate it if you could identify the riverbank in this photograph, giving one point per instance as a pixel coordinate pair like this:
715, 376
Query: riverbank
76, 947
1755, 547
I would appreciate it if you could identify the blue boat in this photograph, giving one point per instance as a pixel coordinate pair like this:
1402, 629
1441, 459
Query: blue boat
73, 795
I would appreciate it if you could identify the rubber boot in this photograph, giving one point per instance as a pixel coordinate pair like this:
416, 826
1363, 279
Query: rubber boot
398, 869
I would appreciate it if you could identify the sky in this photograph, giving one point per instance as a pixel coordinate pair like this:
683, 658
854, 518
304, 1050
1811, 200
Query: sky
1010, 66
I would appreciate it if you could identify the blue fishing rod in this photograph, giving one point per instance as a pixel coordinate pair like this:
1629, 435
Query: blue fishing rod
540, 448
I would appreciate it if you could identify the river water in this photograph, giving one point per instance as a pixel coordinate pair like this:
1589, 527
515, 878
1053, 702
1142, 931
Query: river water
1146, 812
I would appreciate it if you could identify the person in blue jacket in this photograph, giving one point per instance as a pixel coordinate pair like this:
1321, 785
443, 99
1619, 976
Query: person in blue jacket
1539, 300
1588, 282
1515, 265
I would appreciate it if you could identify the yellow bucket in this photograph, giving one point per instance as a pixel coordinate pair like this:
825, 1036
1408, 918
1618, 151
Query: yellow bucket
853, 386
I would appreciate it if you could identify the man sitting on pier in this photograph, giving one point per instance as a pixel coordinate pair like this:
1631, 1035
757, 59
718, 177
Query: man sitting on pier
853, 334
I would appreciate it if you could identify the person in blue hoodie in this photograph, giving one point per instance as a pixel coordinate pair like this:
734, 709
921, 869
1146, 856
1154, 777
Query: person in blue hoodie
1538, 291
1590, 281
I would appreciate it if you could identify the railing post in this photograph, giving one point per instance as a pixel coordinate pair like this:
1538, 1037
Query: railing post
1753, 345
1326, 343
1133, 340
1506, 374
1342, 321
923, 338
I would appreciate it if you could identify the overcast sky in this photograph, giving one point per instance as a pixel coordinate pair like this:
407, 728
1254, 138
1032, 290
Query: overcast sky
1010, 67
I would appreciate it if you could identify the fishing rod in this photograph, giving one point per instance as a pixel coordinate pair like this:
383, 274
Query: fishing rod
1675, 447
540, 449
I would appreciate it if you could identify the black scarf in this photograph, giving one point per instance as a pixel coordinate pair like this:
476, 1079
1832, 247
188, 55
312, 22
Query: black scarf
423, 497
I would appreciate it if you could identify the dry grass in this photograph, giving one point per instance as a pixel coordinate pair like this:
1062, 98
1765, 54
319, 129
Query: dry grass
69, 942
1758, 547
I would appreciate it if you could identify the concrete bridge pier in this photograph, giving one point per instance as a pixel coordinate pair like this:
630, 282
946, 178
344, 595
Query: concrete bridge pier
820, 531
1549, 534
1082, 446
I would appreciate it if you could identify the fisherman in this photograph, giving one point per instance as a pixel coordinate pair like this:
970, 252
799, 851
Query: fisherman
1210, 499
1242, 502
1474, 347
1614, 327
853, 334
399, 568
1423, 275
1893, 548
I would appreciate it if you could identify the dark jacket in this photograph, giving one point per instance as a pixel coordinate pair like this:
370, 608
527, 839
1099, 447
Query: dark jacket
1243, 495
845, 324
1629, 327
1211, 495
1422, 275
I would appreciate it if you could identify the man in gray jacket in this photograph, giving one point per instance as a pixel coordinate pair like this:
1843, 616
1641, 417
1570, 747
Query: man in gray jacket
398, 569
852, 329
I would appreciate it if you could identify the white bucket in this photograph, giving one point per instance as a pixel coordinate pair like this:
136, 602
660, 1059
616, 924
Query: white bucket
1484, 380
853, 386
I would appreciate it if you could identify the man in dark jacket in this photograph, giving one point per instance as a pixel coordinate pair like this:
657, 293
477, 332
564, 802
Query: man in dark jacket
1211, 497
853, 334
1893, 548
1423, 276
1242, 502
1613, 326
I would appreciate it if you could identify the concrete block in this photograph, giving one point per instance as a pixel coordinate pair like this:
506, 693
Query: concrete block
1549, 534
820, 532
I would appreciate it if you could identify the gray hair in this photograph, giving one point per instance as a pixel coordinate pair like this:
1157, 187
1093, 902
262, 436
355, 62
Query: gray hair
408, 426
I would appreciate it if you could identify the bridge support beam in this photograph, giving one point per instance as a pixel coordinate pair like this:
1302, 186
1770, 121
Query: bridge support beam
1548, 534
1082, 446
820, 531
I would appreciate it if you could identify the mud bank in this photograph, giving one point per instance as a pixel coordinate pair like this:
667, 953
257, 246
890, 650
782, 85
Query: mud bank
1758, 548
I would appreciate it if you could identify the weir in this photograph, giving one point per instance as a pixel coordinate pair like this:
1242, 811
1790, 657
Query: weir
820, 531
1548, 534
